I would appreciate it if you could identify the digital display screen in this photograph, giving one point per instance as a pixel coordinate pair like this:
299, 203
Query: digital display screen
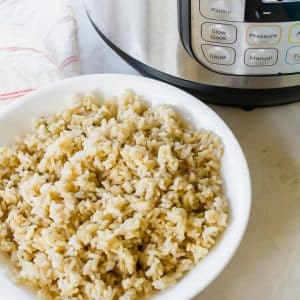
272, 11
279, 1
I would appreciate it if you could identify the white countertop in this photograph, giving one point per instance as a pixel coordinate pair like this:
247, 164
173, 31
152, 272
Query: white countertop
267, 265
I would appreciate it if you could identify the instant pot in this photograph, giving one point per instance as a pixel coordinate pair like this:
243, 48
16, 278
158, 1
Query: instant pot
234, 52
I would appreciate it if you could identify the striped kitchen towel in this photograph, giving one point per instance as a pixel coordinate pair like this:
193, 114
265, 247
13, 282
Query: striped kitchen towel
38, 45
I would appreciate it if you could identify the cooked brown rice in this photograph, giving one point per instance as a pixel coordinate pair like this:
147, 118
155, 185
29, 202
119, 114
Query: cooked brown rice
111, 200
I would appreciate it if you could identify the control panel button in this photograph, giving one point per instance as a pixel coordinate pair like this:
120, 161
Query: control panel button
224, 10
294, 35
219, 33
263, 35
219, 55
293, 56
261, 57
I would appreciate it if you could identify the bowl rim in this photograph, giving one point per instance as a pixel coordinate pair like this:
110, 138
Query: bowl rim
192, 292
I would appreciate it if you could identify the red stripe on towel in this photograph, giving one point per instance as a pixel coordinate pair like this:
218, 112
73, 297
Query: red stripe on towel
15, 94
25, 49
67, 19
68, 61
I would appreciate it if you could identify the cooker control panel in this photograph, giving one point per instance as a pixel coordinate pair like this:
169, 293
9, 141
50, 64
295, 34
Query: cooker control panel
246, 37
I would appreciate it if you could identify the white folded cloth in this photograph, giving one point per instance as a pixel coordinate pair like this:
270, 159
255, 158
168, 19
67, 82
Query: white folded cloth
38, 45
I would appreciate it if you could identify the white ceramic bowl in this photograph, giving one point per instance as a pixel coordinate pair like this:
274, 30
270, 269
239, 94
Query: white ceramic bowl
17, 119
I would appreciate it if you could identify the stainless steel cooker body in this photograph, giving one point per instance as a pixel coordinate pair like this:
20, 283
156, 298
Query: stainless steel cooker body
236, 52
